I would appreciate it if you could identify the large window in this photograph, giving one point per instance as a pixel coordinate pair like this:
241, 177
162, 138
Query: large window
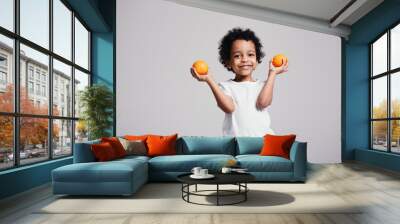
385, 91
44, 64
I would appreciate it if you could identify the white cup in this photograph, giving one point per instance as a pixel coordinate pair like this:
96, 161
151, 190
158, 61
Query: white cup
203, 172
226, 170
196, 171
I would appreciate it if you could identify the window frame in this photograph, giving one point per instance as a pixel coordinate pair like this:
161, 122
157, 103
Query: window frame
388, 74
16, 114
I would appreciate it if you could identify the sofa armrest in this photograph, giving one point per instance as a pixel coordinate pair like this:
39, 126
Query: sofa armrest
298, 155
83, 152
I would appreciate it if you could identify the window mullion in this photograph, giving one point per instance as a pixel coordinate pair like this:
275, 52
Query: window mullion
16, 84
50, 81
370, 98
73, 82
389, 106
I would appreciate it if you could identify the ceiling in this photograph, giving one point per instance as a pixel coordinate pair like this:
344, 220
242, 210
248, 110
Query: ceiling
327, 16
318, 9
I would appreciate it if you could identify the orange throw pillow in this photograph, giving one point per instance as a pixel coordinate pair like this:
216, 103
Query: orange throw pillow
161, 145
116, 145
103, 152
277, 145
136, 137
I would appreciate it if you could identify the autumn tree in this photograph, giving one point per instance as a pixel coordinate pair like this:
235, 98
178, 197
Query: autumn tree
33, 131
380, 127
395, 124
6, 122
81, 129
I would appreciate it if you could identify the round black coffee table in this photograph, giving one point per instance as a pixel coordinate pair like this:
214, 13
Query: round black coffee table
239, 179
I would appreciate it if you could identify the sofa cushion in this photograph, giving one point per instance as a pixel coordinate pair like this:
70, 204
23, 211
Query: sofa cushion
249, 145
185, 163
112, 171
161, 145
136, 137
131, 158
275, 145
103, 152
134, 147
198, 145
116, 145
257, 163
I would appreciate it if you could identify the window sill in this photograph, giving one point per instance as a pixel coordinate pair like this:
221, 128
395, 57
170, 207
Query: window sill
382, 159
26, 167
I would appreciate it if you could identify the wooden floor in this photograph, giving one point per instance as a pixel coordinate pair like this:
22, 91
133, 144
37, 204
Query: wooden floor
377, 188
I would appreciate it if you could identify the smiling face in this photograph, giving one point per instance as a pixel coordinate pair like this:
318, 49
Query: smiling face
243, 60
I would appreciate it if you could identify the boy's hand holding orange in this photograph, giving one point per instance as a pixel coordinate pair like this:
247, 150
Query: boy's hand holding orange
279, 64
279, 60
201, 67
199, 70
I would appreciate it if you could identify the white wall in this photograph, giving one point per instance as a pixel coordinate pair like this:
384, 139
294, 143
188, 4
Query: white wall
157, 42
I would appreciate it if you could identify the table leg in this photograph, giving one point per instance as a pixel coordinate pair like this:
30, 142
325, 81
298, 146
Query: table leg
245, 193
217, 194
196, 188
188, 189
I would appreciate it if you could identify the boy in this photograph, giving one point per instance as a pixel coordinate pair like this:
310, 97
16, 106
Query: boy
243, 99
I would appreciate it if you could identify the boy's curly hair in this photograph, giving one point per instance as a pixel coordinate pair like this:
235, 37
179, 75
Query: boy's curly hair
226, 42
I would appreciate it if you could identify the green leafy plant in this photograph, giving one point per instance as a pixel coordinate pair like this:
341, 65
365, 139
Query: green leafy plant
96, 102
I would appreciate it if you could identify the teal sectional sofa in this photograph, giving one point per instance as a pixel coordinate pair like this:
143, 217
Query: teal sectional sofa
125, 176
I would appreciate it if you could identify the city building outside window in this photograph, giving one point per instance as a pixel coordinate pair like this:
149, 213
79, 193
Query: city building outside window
30, 72
38, 89
30, 87
3, 61
38, 75
43, 90
3, 78
3, 72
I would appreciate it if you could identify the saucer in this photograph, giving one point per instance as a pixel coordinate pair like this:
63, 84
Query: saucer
240, 171
208, 176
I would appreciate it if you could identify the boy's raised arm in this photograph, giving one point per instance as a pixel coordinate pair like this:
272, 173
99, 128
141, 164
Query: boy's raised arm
224, 102
265, 97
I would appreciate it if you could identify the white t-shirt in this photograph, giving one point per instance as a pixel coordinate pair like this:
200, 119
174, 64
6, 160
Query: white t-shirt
246, 120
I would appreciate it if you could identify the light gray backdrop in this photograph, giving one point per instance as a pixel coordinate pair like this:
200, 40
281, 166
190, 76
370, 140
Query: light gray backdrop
157, 42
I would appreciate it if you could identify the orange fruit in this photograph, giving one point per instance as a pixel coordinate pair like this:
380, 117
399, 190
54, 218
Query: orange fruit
201, 67
279, 60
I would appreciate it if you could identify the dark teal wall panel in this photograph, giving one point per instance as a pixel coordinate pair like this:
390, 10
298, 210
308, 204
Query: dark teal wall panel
89, 11
103, 52
356, 87
102, 59
374, 23
103, 63
357, 99
24, 178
